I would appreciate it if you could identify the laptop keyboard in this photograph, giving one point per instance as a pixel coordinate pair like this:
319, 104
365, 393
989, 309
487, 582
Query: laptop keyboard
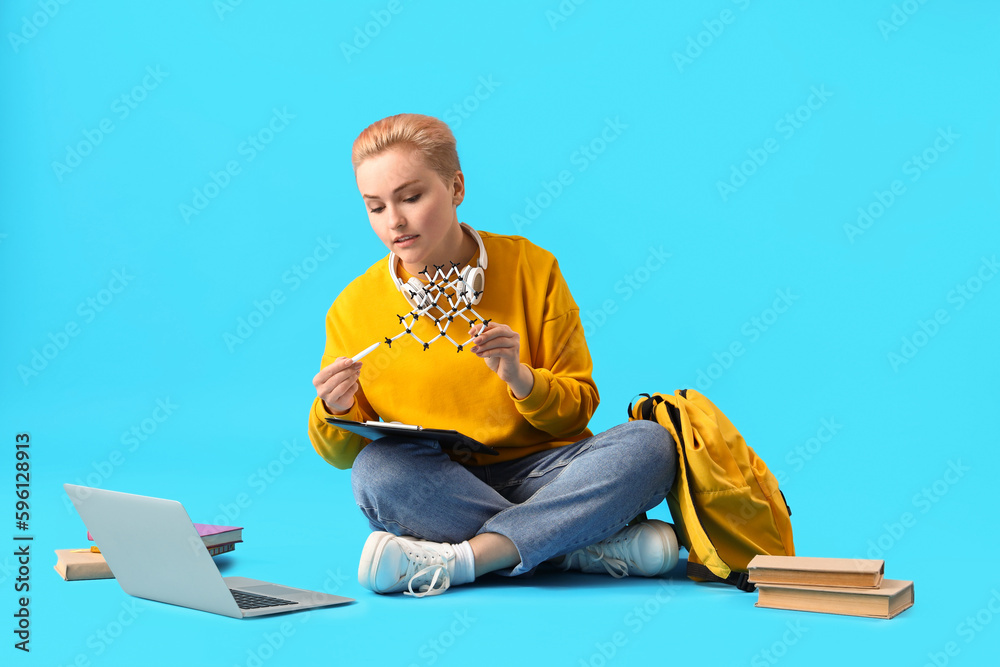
246, 600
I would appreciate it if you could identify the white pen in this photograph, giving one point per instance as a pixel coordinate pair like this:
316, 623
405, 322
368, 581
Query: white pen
357, 357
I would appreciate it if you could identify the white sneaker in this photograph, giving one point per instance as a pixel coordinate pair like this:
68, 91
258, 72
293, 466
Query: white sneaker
390, 564
647, 549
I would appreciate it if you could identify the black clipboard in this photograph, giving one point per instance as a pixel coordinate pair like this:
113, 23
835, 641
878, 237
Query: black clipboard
449, 440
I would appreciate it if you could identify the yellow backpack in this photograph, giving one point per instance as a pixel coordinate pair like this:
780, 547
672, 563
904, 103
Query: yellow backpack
726, 504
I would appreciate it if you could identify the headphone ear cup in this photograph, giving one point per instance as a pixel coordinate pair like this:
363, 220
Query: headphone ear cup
416, 295
473, 280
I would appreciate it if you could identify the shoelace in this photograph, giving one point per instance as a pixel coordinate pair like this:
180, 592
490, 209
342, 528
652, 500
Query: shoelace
432, 563
611, 554
429, 588
615, 563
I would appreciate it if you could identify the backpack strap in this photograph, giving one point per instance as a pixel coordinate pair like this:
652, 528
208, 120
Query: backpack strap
638, 519
740, 580
674, 419
647, 407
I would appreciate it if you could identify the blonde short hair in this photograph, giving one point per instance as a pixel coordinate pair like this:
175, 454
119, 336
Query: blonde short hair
430, 137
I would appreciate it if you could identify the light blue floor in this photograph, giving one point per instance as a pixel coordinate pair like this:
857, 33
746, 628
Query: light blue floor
301, 529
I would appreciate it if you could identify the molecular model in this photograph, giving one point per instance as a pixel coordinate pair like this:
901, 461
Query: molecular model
455, 291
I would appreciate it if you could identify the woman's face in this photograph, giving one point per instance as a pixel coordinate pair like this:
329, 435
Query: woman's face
410, 208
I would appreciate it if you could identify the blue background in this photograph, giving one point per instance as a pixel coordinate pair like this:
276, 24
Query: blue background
879, 455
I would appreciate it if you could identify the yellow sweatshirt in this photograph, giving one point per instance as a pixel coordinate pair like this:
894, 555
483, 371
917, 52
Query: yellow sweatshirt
442, 388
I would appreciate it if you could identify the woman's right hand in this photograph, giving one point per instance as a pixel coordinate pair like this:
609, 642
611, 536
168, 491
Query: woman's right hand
337, 383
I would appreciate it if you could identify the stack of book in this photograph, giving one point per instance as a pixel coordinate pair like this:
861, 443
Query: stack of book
78, 564
850, 586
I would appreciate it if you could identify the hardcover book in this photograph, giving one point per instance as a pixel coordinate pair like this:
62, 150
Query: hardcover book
78, 564
893, 597
81, 564
810, 571
215, 535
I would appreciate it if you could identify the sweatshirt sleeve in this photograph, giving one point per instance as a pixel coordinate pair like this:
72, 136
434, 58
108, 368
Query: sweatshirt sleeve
338, 446
564, 395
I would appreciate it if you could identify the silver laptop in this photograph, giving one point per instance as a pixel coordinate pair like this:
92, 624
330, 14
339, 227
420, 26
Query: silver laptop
155, 553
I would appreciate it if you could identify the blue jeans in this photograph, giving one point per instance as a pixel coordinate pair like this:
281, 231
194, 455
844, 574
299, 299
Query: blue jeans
548, 503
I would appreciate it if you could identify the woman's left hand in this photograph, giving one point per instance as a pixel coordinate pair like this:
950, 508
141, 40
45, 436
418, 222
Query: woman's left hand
500, 347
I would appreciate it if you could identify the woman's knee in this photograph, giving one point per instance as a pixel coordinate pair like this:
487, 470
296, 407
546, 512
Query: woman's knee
377, 467
393, 467
651, 447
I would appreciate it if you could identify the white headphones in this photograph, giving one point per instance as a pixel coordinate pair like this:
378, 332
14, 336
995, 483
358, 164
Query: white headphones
473, 279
